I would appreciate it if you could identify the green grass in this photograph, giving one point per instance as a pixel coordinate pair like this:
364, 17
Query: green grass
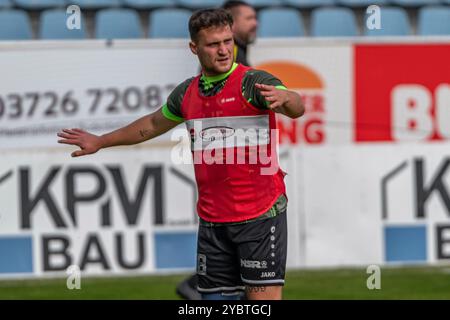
396, 283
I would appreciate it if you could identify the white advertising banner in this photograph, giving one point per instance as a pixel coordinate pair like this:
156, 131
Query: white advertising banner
100, 88
133, 209
50, 85
95, 87
376, 204
103, 212
122, 210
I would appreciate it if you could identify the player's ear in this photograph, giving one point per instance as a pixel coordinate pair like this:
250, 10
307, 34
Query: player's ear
193, 47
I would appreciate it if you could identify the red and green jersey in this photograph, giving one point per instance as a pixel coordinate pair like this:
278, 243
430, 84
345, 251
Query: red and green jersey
233, 146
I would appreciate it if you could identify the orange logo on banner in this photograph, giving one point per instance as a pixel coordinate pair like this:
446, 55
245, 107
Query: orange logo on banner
309, 85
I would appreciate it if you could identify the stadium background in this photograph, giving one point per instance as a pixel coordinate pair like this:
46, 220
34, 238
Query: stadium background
367, 165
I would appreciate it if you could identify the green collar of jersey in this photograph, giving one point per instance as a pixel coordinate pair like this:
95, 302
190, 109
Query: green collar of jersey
208, 82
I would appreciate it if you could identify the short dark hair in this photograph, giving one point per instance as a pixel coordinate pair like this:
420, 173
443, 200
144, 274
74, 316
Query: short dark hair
233, 4
206, 18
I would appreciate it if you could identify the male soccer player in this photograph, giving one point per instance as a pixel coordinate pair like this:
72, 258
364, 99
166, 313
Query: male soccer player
245, 26
242, 237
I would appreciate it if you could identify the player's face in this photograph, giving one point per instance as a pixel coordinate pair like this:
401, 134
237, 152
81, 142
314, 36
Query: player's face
245, 24
214, 48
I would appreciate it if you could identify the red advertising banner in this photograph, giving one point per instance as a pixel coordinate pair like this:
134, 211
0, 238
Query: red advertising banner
402, 92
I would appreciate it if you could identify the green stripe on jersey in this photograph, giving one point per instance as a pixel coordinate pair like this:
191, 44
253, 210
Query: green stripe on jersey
169, 115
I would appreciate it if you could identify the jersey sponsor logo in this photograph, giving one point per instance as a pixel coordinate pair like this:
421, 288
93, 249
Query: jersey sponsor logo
216, 133
232, 140
253, 264
228, 132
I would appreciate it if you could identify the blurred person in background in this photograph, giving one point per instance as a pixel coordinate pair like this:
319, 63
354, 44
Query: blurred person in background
245, 27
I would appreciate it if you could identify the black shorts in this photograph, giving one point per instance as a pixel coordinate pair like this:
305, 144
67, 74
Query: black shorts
230, 257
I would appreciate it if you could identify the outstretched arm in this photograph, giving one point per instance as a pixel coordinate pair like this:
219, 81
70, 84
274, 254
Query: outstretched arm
286, 102
145, 128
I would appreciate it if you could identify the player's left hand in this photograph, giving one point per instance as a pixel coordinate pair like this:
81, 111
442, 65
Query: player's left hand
275, 97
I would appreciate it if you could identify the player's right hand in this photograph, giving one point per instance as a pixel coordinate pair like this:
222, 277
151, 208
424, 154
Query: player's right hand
87, 142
